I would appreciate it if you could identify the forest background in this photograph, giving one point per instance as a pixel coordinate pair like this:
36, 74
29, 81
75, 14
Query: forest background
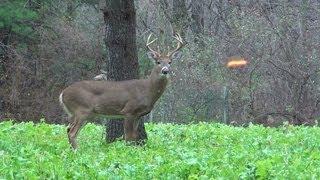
45, 45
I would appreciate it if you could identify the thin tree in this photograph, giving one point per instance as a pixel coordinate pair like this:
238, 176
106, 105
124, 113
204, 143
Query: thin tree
180, 16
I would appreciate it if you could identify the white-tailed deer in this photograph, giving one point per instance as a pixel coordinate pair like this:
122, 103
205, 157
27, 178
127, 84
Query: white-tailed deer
129, 99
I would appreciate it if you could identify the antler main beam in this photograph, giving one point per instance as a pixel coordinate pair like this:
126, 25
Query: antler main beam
179, 45
151, 42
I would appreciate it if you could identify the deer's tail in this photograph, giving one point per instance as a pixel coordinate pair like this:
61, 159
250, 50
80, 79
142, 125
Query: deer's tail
63, 105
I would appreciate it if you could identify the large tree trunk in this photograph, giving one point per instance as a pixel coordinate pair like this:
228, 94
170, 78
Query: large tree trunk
122, 61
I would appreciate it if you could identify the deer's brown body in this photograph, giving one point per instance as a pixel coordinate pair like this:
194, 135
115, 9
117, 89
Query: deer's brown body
129, 99
133, 97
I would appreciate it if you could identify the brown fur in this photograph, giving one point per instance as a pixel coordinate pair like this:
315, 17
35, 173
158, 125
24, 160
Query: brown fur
130, 99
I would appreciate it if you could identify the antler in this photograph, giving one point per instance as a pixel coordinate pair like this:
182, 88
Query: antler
179, 45
149, 43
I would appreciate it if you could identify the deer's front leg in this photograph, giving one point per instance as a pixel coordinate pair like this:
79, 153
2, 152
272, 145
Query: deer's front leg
130, 128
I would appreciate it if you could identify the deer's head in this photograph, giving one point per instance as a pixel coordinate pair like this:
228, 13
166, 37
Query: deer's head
163, 60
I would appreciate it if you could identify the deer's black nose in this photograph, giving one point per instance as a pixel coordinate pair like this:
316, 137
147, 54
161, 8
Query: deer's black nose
165, 70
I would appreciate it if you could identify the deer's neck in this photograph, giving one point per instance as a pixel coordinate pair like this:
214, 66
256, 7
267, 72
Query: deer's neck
158, 83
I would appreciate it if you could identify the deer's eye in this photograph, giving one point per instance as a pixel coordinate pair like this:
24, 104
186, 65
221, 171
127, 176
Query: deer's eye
158, 62
170, 62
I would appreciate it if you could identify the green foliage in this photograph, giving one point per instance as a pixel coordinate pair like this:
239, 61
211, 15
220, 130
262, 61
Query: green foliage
199, 151
14, 16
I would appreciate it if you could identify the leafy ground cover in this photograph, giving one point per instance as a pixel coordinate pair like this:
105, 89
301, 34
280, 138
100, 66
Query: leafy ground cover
195, 151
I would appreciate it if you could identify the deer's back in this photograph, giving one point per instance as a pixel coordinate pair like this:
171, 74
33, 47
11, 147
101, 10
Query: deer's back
105, 97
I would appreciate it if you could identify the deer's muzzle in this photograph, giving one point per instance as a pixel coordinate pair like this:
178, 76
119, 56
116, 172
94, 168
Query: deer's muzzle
165, 70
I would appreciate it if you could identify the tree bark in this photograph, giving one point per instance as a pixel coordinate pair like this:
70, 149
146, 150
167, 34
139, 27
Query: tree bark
122, 60
197, 19
179, 16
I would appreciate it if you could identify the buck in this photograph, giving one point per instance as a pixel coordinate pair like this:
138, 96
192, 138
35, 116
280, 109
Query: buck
129, 99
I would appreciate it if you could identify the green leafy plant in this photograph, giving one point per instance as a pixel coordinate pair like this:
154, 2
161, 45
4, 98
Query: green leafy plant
194, 151
15, 17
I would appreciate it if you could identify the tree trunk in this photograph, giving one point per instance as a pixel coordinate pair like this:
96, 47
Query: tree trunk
122, 60
71, 10
179, 16
197, 21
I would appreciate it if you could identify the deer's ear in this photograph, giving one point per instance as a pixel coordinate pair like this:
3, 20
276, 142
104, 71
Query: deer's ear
176, 56
153, 55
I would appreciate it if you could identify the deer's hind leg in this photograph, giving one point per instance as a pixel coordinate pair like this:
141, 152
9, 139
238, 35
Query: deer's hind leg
78, 120
71, 122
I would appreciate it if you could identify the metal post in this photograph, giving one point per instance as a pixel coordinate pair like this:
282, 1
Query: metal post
226, 105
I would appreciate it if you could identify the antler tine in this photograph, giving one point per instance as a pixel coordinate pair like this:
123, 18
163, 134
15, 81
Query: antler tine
179, 45
148, 40
149, 43
178, 38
